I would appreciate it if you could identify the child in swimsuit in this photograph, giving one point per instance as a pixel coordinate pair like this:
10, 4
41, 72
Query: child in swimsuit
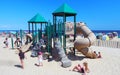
40, 59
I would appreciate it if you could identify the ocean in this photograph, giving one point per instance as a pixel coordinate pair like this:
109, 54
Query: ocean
106, 31
95, 31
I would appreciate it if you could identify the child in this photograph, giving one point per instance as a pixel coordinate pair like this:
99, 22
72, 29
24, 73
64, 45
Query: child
78, 68
99, 55
40, 59
86, 67
21, 56
6, 42
83, 69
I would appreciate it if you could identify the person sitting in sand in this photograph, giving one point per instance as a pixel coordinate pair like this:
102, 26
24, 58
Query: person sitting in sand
21, 56
6, 42
99, 55
86, 67
94, 55
83, 69
78, 68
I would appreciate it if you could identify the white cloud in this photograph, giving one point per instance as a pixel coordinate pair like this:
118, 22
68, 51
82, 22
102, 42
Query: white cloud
8, 27
5, 26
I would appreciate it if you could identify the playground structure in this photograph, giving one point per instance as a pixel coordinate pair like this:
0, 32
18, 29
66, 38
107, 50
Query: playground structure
52, 31
57, 30
83, 44
63, 57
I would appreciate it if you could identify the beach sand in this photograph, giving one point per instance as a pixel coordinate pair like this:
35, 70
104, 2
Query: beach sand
109, 64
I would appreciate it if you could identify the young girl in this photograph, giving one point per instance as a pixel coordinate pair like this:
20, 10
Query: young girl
86, 67
40, 59
78, 68
99, 55
83, 69
21, 56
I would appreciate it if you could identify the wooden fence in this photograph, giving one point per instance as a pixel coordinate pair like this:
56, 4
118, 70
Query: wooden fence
111, 44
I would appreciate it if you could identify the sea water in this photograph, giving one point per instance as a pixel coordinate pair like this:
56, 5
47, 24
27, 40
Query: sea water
95, 31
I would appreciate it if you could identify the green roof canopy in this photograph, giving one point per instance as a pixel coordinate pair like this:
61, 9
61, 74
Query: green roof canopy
64, 9
37, 19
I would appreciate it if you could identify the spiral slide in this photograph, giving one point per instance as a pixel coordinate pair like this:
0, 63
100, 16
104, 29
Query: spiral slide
83, 44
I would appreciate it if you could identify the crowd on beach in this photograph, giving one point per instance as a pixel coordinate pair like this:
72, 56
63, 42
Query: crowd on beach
107, 36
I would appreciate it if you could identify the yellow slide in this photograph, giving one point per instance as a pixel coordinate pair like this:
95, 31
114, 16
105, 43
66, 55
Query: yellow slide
83, 44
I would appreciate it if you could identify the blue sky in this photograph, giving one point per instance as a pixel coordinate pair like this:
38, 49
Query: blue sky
98, 14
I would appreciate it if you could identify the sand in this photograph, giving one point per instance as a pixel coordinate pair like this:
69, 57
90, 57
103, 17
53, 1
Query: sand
108, 65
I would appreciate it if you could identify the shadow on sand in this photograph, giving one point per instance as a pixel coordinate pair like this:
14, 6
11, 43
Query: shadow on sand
36, 64
18, 66
73, 57
5, 47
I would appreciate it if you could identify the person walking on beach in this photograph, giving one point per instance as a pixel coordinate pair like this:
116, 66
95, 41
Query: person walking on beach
21, 56
6, 42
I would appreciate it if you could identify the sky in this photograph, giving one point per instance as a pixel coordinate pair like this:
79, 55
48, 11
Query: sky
97, 14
